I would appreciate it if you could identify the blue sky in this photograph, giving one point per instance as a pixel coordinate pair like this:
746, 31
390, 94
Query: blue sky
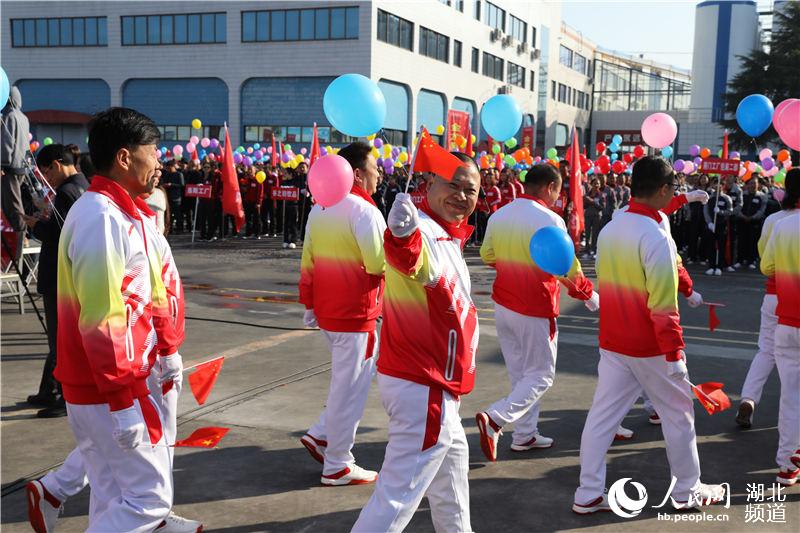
661, 30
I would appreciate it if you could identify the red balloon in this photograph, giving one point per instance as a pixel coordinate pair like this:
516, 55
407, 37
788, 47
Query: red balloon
618, 167
628, 157
585, 166
638, 151
600, 147
603, 160
604, 169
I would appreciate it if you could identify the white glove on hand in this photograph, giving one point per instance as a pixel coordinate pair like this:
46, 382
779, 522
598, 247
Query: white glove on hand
711, 226
310, 319
129, 428
695, 299
697, 196
403, 218
677, 369
593, 303
171, 367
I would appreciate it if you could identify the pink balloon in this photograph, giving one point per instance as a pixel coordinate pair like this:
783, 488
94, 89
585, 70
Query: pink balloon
330, 179
204, 142
659, 130
190, 147
212, 157
787, 124
177, 149
778, 194
765, 153
787, 163
778, 109
751, 166
742, 170
303, 151
688, 167
195, 141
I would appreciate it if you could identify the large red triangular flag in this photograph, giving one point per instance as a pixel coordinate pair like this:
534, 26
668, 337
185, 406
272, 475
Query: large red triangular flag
725, 145
203, 438
713, 321
231, 196
273, 157
315, 152
203, 378
430, 157
711, 397
577, 221
195, 157
468, 149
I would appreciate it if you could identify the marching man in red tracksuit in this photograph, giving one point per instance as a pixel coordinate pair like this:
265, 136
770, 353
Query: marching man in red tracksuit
428, 344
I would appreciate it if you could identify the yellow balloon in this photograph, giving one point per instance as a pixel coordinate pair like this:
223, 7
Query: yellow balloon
398, 164
403, 157
387, 148
293, 163
375, 153
370, 137
260, 176
472, 138
196, 124
439, 129
336, 150
300, 158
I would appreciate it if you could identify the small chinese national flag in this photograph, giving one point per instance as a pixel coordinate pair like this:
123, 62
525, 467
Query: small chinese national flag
711, 397
713, 321
203, 378
431, 157
203, 438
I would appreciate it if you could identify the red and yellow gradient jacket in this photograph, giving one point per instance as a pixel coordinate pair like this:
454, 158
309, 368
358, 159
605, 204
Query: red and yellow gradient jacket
781, 260
105, 310
341, 273
520, 284
430, 325
766, 233
637, 274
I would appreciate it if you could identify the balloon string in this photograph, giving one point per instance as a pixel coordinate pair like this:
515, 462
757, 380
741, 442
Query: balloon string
566, 281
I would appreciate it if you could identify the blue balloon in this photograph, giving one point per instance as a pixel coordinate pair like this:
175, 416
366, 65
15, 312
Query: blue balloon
354, 105
202, 154
616, 139
754, 114
256, 146
614, 156
501, 117
667, 151
613, 148
5, 88
552, 250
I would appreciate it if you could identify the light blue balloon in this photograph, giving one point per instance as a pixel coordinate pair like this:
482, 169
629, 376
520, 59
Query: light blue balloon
613, 147
616, 139
501, 117
754, 114
354, 105
667, 152
614, 157
5, 88
256, 146
552, 250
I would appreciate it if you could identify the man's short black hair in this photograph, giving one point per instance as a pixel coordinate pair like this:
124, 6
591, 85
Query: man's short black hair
87, 167
356, 154
650, 173
464, 158
540, 176
117, 128
54, 152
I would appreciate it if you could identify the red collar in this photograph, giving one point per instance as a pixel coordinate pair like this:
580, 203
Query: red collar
535, 199
114, 191
361, 193
461, 231
143, 207
640, 209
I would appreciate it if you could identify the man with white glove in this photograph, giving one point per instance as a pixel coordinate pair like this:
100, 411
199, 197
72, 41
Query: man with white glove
641, 342
697, 195
526, 308
341, 285
403, 219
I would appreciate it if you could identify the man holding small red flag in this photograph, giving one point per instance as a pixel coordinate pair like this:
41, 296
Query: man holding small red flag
231, 196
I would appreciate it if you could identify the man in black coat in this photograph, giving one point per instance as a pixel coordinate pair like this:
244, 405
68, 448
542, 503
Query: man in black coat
58, 166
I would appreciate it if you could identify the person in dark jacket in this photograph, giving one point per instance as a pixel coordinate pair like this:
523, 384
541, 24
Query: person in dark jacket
57, 164
13, 148
173, 181
749, 220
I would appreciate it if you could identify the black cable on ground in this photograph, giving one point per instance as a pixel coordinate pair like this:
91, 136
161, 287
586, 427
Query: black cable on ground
218, 321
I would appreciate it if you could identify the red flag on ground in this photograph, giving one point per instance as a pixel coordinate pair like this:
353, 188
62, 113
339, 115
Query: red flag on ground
713, 321
577, 221
203, 378
315, 152
430, 157
711, 397
231, 196
203, 438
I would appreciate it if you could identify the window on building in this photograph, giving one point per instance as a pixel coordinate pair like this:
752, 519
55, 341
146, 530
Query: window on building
562, 93
533, 85
457, 53
291, 134
184, 133
519, 29
492, 66
516, 75
553, 90
142, 30
495, 17
395, 30
433, 44
459, 4
565, 56
475, 59
533, 36
477, 9
562, 133
320, 24
579, 64
52, 32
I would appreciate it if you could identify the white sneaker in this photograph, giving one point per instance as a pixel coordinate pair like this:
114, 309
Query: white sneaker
752, 266
655, 419
717, 272
292, 246
705, 495
316, 447
42, 513
597, 506
352, 475
795, 458
730, 269
490, 434
710, 272
623, 434
285, 245
538, 441
787, 477
178, 524
737, 265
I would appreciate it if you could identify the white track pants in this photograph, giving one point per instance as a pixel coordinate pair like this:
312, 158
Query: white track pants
529, 345
70, 478
764, 360
787, 358
620, 381
353, 358
427, 454
131, 489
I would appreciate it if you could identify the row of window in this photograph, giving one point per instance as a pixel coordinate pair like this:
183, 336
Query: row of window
300, 24
290, 134
568, 95
194, 28
495, 17
458, 4
574, 60
395, 30
433, 44
47, 32
182, 133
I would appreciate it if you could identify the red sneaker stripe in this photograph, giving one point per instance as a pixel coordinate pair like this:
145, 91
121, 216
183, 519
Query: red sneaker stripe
338, 475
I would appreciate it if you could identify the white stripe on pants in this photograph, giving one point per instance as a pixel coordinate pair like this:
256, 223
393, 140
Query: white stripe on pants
530, 356
620, 381
131, 489
70, 478
408, 473
787, 358
764, 360
351, 375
